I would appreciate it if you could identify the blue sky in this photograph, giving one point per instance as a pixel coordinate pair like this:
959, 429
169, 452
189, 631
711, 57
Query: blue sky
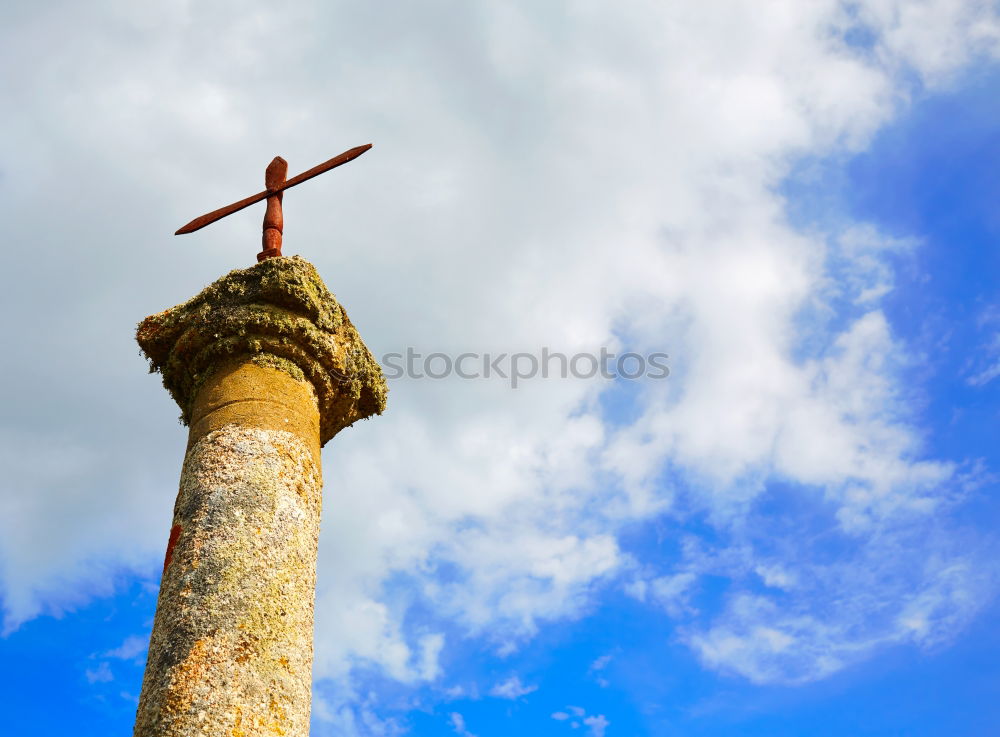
792, 534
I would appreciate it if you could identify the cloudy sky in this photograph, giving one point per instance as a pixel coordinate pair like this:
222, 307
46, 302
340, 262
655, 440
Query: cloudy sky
793, 533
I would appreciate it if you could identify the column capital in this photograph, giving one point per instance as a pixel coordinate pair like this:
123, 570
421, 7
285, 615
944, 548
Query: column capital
276, 314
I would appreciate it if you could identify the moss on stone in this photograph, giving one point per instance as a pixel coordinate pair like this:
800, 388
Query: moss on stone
269, 360
277, 313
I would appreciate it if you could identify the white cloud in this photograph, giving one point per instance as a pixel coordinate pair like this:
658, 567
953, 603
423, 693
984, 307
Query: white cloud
983, 368
986, 375
430, 649
101, 674
936, 36
598, 725
597, 667
458, 724
601, 663
512, 688
776, 576
132, 648
340, 710
454, 692
865, 601
601, 177
577, 716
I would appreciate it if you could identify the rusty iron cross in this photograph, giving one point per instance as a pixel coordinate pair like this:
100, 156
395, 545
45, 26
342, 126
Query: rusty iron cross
276, 184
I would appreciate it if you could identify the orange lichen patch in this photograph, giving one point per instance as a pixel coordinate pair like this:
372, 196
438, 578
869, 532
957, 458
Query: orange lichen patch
275, 708
276, 725
188, 674
236, 731
245, 648
175, 533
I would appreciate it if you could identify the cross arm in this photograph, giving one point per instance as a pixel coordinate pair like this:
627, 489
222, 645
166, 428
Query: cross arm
200, 222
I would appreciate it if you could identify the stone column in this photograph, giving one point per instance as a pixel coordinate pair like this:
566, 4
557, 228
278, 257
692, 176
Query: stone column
266, 368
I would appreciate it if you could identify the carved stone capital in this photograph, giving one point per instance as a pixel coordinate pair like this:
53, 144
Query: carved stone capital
276, 314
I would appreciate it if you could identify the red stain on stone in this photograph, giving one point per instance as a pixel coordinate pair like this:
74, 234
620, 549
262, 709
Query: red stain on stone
175, 532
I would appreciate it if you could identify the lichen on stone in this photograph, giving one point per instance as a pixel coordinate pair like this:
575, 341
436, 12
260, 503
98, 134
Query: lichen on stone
277, 313
231, 647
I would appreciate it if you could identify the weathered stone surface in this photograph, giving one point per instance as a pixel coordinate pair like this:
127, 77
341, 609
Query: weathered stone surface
231, 650
277, 313
242, 393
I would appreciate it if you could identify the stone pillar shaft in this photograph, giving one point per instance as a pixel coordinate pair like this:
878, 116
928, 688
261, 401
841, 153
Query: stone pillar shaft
231, 650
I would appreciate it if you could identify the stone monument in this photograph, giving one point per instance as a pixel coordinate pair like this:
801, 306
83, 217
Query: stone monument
266, 368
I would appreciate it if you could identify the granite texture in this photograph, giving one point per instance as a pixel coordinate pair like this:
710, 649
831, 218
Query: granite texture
231, 649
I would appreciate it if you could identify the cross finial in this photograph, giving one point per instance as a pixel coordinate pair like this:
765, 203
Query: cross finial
276, 184
274, 221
